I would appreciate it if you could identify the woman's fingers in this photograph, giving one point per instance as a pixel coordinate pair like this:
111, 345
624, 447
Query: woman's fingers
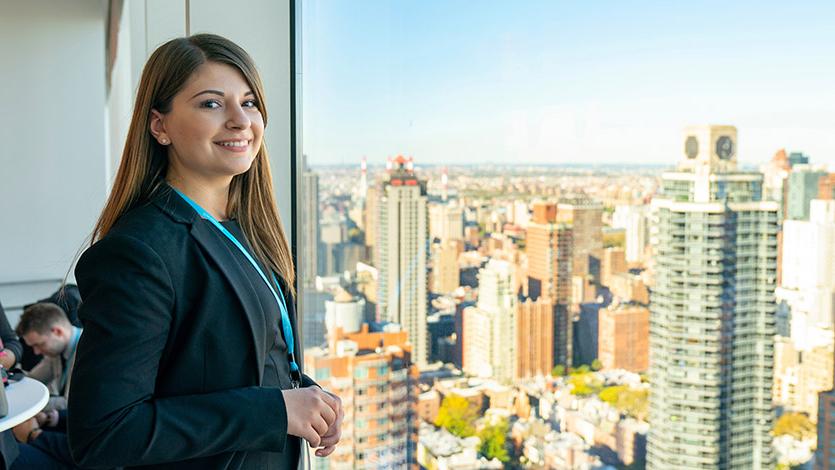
325, 451
327, 411
320, 426
332, 400
312, 437
331, 440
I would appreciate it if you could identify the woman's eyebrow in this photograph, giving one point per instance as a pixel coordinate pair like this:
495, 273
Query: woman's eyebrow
218, 93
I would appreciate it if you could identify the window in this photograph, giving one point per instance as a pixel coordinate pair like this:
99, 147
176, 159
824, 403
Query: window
441, 141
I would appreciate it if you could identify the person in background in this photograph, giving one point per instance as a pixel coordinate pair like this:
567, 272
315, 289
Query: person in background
36, 450
10, 351
47, 330
10, 348
68, 298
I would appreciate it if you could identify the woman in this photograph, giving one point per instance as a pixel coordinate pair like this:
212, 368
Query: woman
187, 357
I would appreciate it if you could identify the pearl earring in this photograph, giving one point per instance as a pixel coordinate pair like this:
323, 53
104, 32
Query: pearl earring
163, 141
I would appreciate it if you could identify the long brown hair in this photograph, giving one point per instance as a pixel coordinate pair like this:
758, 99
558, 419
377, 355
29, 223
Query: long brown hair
144, 161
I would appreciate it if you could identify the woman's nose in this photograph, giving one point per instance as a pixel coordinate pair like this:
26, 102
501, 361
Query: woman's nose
237, 118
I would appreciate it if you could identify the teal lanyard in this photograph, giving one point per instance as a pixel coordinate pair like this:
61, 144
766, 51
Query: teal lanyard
279, 299
73, 345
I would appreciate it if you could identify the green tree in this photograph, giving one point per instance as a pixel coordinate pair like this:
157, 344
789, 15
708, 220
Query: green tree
582, 370
584, 384
494, 441
634, 402
596, 365
631, 401
558, 371
797, 425
611, 394
457, 416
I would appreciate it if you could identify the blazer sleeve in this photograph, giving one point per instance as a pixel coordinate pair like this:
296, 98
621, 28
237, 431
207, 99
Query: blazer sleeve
9, 337
114, 418
308, 382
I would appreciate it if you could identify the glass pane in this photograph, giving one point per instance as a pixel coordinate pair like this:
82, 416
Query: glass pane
555, 226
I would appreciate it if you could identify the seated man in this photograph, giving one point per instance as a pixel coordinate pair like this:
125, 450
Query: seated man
68, 298
45, 327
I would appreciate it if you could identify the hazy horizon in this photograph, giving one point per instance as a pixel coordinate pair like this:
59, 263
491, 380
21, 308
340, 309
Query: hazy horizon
562, 83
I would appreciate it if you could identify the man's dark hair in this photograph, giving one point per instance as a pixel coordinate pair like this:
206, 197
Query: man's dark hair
40, 318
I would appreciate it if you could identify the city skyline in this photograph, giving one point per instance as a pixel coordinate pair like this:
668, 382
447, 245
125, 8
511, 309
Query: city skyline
551, 83
676, 288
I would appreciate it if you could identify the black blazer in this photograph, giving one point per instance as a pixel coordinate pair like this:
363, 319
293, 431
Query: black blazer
169, 367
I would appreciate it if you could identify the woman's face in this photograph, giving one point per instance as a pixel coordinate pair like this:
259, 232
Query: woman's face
214, 128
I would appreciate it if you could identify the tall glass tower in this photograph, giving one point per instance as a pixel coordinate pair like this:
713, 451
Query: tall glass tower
712, 311
402, 253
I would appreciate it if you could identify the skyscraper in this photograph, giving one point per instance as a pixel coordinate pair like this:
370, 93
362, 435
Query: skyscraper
825, 453
312, 329
633, 219
310, 225
535, 338
712, 322
402, 252
371, 373
496, 295
808, 283
613, 263
586, 220
775, 173
623, 337
549, 249
549, 252
476, 342
826, 187
445, 271
803, 187
370, 216
798, 158
446, 222
490, 327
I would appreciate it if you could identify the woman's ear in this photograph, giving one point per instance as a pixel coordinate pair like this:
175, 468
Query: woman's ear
157, 127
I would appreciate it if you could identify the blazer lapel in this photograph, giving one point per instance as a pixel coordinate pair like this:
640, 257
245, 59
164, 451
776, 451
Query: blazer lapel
217, 249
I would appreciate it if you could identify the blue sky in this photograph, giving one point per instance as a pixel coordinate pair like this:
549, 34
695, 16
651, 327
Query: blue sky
451, 81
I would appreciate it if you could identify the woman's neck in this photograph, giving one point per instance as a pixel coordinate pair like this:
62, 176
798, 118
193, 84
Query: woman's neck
212, 196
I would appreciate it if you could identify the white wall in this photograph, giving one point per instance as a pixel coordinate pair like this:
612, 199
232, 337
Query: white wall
265, 35
64, 134
262, 28
52, 125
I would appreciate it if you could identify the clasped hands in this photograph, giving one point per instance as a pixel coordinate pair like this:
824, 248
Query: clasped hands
30, 429
316, 416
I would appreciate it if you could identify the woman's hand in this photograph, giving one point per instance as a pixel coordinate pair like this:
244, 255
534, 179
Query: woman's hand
27, 431
331, 438
310, 413
47, 418
7, 358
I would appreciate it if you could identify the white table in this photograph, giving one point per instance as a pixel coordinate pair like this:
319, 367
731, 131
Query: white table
26, 398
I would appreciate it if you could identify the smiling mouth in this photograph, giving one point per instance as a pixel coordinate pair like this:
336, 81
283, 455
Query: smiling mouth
234, 145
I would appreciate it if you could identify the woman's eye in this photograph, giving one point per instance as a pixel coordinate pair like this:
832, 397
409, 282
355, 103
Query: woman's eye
211, 104
250, 104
